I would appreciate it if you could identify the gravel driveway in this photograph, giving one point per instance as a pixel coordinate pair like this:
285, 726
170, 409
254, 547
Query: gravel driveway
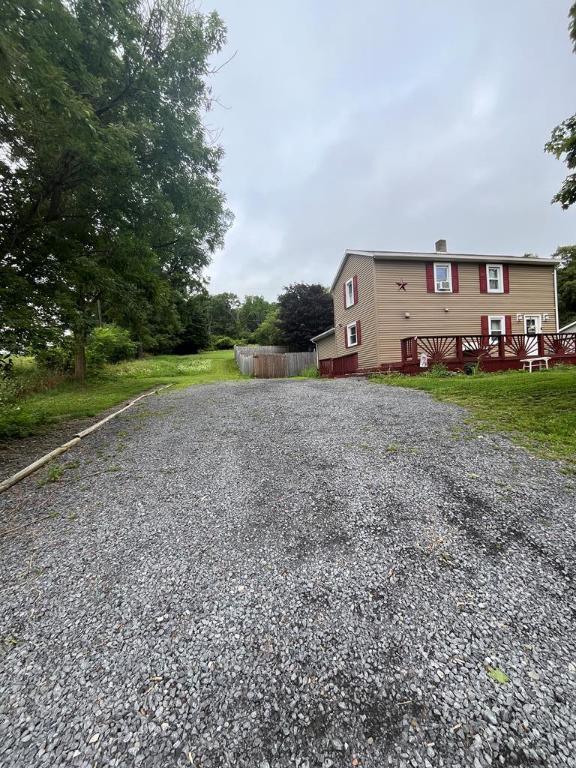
289, 573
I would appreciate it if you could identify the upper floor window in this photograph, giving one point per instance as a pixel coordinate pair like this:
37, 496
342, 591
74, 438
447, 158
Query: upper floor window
442, 278
495, 280
350, 292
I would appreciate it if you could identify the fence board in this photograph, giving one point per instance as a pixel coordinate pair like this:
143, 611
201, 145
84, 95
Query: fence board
272, 362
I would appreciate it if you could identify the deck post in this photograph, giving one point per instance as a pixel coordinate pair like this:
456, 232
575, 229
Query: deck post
541, 350
459, 352
501, 346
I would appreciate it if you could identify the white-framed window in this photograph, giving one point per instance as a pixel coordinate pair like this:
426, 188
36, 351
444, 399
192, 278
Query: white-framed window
349, 292
494, 278
496, 327
352, 334
442, 278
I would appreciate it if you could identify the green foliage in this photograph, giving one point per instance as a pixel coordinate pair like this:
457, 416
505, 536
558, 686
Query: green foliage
310, 373
110, 344
223, 342
438, 370
105, 344
252, 313
31, 412
304, 311
567, 283
58, 358
268, 333
222, 310
6, 366
562, 142
109, 198
10, 391
538, 409
193, 334
54, 473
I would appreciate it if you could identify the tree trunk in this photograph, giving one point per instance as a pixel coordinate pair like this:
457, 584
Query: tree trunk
79, 356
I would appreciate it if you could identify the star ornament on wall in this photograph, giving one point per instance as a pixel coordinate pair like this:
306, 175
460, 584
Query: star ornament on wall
402, 285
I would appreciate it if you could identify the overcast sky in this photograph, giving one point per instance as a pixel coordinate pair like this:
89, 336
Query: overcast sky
387, 124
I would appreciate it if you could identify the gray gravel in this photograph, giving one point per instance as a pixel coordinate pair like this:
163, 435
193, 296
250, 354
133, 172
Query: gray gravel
295, 573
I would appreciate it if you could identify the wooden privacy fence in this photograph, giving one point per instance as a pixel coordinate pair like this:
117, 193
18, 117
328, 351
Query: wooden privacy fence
272, 362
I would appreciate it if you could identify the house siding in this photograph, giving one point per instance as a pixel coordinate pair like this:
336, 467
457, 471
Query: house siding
326, 347
531, 293
364, 311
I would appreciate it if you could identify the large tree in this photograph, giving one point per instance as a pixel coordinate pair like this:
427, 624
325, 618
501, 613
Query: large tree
563, 140
109, 182
252, 312
222, 310
304, 311
268, 332
567, 283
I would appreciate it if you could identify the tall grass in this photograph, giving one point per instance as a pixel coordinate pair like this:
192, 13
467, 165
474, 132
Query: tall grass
31, 401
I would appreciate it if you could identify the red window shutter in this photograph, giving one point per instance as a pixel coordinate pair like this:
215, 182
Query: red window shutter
430, 277
508, 325
506, 277
346, 337
355, 288
455, 279
358, 332
344, 293
484, 324
483, 281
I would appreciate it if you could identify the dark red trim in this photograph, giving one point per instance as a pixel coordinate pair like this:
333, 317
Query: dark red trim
484, 325
483, 280
358, 333
506, 277
508, 325
355, 288
346, 336
430, 277
455, 278
344, 292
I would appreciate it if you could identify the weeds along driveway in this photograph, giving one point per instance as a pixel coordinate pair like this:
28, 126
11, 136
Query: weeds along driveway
294, 573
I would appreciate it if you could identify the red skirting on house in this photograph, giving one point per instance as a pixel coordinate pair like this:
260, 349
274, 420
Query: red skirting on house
461, 353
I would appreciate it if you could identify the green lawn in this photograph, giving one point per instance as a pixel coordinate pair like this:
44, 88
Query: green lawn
37, 411
537, 409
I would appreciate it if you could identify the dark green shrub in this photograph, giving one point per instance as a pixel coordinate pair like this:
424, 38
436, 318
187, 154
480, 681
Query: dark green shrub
223, 342
58, 358
6, 365
110, 344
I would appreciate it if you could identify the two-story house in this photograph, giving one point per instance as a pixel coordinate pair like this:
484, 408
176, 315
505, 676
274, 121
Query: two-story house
406, 311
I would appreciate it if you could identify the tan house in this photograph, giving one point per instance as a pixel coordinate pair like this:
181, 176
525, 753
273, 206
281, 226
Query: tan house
404, 310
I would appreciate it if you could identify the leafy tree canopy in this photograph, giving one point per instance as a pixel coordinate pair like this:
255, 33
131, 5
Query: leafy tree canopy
304, 311
562, 143
567, 284
109, 183
252, 313
223, 314
268, 332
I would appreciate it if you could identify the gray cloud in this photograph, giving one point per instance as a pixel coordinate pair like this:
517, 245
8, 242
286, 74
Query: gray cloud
387, 125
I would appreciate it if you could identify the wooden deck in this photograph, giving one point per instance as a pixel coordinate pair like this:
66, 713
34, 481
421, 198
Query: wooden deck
491, 353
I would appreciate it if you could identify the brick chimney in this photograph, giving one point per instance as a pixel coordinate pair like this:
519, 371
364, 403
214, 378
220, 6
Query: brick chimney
441, 246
